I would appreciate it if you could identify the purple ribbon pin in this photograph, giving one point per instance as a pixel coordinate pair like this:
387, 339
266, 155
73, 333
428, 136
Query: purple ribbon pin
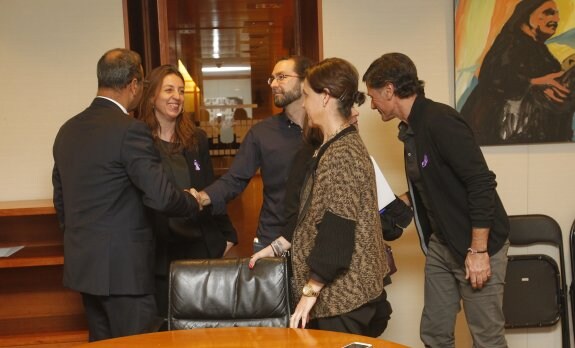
425, 161
196, 165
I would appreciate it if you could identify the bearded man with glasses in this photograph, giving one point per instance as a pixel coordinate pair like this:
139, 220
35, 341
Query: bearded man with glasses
269, 146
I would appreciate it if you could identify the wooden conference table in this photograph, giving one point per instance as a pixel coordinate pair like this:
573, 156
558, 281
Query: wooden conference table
239, 337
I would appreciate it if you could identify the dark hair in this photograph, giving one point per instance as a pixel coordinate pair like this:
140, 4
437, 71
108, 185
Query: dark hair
521, 14
397, 69
340, 79
301, 64
184, 133
118, 67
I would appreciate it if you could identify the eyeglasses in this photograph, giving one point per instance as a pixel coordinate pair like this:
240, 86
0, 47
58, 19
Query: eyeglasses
279, 78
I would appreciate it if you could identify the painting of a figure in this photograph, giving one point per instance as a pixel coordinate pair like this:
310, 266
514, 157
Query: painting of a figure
515, 69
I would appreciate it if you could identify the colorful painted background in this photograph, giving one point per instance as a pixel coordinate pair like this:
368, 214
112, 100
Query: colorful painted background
477, 23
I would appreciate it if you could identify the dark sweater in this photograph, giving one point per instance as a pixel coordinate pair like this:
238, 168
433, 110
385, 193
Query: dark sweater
269, 146
458, 182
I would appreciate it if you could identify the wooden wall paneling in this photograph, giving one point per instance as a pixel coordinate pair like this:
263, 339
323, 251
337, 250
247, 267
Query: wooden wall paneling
35, 308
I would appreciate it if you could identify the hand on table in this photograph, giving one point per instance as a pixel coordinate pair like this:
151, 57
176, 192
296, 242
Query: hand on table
301, 312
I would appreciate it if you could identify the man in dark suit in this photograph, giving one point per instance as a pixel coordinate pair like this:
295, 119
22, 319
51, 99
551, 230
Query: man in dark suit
106, 170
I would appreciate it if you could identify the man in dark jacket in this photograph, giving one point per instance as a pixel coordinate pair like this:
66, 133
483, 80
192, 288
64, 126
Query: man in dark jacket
461, 221
269, 147
106, 169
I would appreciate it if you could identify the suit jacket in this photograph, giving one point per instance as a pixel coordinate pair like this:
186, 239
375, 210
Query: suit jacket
215, 230
106, 168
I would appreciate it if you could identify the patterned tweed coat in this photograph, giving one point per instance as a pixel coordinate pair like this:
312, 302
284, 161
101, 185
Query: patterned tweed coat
342, 184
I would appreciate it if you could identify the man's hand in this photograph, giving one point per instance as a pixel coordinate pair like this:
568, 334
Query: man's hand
477, 269
196, 195
204, 198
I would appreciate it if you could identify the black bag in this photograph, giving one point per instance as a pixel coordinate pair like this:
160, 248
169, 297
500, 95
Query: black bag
394, 218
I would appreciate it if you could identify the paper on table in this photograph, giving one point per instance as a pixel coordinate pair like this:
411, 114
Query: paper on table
384, 193
5, 252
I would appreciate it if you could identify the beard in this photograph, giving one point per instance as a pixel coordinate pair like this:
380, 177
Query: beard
288, 97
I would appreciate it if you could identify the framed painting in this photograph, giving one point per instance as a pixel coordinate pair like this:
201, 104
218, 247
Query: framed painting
514, 69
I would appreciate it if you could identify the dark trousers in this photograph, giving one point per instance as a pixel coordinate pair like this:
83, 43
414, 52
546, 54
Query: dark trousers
368, 320
117, 316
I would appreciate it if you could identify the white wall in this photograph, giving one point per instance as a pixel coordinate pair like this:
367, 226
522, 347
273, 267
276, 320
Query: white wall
531, 179
48, 56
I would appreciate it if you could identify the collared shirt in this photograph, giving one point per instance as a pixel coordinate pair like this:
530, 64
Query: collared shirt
269, 146
115, 102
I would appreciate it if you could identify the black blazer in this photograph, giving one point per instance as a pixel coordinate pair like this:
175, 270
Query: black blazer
106, 169
215, 230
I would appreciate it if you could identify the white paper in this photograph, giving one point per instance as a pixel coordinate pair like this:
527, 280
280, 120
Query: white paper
5, 252
384, 193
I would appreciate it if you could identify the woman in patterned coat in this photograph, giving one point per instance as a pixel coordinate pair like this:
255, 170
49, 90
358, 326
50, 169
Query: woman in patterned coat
338, 257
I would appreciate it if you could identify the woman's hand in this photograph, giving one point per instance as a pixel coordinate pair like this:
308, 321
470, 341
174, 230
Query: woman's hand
301, 312
268, 251
265, 252
305, 305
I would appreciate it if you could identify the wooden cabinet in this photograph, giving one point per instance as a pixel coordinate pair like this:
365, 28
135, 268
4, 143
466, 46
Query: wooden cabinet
35, 309
244, 212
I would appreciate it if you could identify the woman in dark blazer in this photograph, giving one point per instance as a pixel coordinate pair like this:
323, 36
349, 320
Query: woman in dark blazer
186, 160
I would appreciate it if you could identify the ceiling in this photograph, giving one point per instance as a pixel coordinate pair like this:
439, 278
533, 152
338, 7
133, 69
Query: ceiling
226, 33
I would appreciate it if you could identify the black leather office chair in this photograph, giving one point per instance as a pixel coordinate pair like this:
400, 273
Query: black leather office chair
226, 293
535, 287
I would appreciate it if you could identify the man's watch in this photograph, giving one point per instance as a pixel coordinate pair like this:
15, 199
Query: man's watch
308, 291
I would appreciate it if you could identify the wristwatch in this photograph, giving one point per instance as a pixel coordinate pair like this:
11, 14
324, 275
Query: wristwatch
308, 291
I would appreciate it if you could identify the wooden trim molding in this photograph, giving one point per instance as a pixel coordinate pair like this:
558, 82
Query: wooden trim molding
126, 24
163, 35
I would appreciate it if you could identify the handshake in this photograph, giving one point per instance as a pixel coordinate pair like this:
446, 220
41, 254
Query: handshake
202, 197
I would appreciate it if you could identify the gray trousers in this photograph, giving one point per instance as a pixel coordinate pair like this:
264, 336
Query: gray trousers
446, 287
